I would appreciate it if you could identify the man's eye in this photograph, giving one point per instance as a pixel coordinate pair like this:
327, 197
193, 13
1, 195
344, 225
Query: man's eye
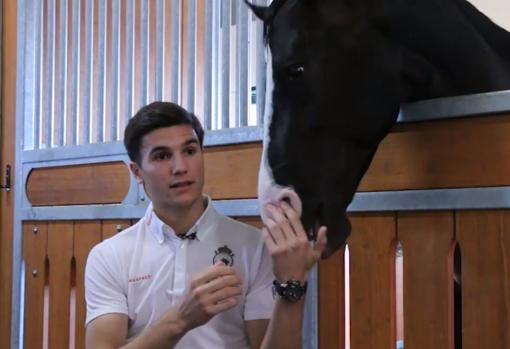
161, 156
190, 151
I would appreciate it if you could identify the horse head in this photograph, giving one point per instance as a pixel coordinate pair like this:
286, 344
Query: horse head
338, 71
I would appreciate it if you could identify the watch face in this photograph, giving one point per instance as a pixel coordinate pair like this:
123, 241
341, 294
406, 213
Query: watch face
293, 292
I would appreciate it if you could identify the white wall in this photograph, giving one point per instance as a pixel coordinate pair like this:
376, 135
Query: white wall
497, 10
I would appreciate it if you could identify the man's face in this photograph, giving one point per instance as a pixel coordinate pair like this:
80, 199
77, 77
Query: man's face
172, 166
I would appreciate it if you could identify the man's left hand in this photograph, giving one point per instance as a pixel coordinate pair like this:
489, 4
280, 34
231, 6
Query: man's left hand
285, 238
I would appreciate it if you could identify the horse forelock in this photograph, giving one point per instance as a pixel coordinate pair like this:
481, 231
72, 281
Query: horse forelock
271, 13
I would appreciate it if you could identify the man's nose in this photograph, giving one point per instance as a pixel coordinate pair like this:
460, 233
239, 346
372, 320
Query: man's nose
179, 165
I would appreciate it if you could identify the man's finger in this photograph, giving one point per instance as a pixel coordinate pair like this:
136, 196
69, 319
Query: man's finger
212, 273
294, 220
321, 241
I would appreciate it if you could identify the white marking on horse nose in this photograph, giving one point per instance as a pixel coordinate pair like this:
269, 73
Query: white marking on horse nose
268, 190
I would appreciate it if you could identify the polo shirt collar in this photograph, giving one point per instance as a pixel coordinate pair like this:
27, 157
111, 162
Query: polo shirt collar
163, 231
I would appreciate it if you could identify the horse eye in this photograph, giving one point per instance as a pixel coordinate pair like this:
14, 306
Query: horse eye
295, 71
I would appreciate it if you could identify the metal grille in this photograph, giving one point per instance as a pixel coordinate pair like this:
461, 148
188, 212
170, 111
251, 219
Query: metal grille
90, 64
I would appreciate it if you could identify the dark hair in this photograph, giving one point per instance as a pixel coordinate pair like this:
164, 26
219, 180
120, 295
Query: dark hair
153, 116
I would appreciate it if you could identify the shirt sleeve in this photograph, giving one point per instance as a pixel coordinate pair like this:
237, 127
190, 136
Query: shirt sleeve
104, 293
259, 301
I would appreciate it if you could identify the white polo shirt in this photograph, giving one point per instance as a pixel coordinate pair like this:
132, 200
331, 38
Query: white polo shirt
144, 270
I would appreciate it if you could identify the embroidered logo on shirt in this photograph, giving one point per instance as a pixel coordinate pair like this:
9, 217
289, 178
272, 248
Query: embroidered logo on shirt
141, 278
225, 255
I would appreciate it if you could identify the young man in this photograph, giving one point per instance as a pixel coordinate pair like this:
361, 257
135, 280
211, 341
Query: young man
185, 276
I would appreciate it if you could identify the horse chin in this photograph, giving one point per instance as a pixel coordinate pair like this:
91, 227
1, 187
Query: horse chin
338, 232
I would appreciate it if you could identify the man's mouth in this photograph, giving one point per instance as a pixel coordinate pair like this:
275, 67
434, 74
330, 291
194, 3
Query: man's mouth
181, 184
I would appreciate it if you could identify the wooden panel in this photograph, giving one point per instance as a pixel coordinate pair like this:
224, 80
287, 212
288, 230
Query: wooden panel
331, 307
34, 256
232, 172
7, 132
372, 281
79, 185
111, 227
60, 254
86, 235
484, 239
253, 221
446, 154
427, 242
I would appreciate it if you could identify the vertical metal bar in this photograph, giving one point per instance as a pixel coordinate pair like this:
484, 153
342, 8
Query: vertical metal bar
48, 102
38, 16
261, 69
225, 63
176, 50
17, 309
100, 82
85, 77
72, 97
242, 64
191, 42
208, 32
159, 49
310, 321
215, 89
115, 42
144, 47
60, 73
31, 57
129, 69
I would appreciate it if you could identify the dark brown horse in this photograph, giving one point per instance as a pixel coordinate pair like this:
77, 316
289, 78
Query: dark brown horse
341, 69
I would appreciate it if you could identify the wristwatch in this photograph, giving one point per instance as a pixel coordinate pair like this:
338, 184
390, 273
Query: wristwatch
290, 291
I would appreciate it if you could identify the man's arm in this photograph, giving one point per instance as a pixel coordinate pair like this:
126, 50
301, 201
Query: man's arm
293, 257
213, 291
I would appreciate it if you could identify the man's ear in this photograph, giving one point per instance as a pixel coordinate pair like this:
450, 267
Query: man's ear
135, 169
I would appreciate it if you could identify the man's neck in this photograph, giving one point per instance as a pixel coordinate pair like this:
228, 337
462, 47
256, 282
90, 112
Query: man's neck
181, 219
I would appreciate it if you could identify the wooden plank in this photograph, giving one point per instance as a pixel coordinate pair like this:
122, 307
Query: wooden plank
34, 256
372, 281
331, 307
7, 139
79, 184
86, 235
484, 239
253, 221
60, 255
232, 172
427, 242
110, 228
443, 154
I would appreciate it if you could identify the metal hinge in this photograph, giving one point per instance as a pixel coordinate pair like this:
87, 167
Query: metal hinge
7, 186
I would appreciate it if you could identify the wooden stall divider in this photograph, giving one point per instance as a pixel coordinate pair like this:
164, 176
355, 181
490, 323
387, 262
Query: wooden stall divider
110, 228
427, 240
484, 239
34, 251
86, 235
372, 281
331, 307
60, 255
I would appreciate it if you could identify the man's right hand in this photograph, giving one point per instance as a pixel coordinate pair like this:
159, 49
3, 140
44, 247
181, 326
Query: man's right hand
210, 292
